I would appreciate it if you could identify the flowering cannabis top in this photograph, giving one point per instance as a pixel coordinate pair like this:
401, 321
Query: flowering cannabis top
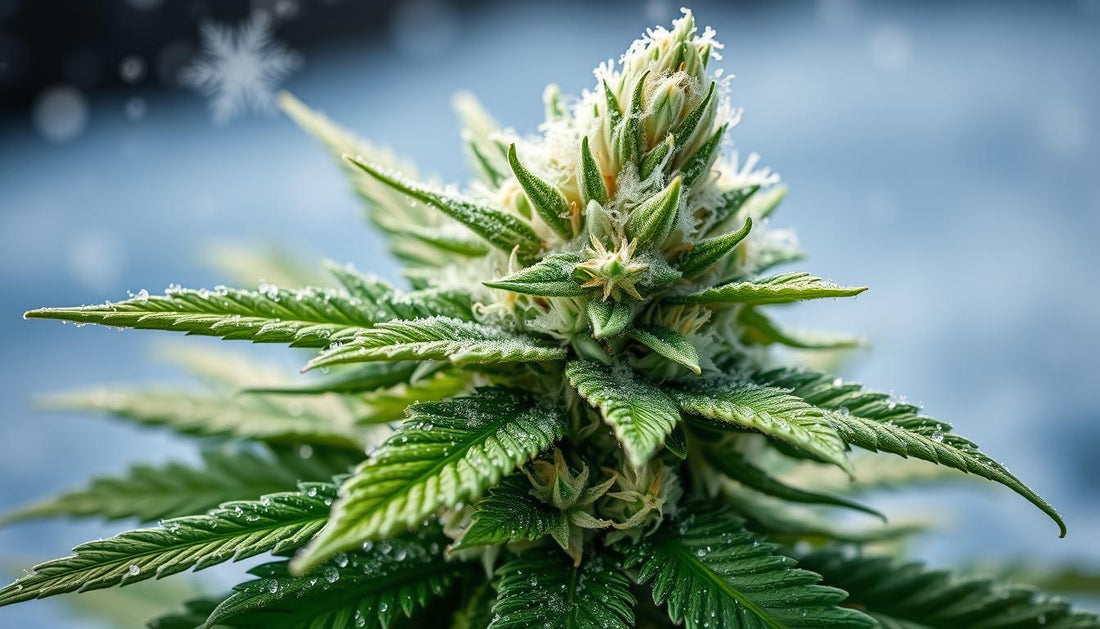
582, 409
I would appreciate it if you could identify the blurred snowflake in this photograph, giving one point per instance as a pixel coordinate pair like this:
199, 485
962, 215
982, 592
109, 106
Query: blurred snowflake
240, 69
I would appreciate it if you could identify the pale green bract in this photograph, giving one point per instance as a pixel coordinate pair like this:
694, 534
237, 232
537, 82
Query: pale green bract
570, 415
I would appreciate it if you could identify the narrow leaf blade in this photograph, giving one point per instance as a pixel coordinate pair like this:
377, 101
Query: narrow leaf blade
545, 198
655, 218
236, 530
668, 343
609, 319
735, 466
873, 421
780, 289
304, 318
437, 338
499, 229
706, 253
550, 277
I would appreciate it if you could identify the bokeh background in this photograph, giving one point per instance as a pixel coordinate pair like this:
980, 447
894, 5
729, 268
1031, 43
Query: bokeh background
944, 153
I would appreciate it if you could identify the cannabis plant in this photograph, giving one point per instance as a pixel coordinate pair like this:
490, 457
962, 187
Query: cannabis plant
573, 417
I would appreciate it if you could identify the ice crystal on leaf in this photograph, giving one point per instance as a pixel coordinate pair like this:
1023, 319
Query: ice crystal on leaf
570, 418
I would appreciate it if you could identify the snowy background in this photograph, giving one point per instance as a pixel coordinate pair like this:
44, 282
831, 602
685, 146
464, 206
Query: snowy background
945, 154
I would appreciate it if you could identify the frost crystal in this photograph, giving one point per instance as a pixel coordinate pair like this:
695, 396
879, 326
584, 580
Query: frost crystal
240, 69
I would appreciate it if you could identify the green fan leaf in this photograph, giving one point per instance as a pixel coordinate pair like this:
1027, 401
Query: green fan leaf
150, 493
706, 253
501, 230
734, 465
610, 319
780, 289
769, 410
711, 572
310, 317
391, 303
368, 589
219, 415
641, 415
911, 596
542, 589
236, 530
873, 421
510, 513
550, 277
447, 452
758, 329
438, 338
668, 343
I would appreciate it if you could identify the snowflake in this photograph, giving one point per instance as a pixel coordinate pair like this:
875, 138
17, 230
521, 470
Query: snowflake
240, 69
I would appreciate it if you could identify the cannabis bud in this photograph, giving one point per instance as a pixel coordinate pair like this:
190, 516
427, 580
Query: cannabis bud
575, 394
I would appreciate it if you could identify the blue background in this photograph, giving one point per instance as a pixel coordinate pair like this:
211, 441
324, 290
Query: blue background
946, 155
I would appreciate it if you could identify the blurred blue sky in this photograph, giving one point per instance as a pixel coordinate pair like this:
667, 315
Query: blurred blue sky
945, 154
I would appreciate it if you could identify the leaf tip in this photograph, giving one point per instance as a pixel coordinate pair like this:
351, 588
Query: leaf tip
285, 100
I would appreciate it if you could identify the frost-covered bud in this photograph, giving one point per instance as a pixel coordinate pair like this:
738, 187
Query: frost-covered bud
666, 52
661, 91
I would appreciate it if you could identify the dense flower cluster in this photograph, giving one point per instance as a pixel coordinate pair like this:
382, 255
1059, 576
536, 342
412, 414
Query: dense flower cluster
572, 419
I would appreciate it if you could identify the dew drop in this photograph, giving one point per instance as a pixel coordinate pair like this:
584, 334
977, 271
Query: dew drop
332, 575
